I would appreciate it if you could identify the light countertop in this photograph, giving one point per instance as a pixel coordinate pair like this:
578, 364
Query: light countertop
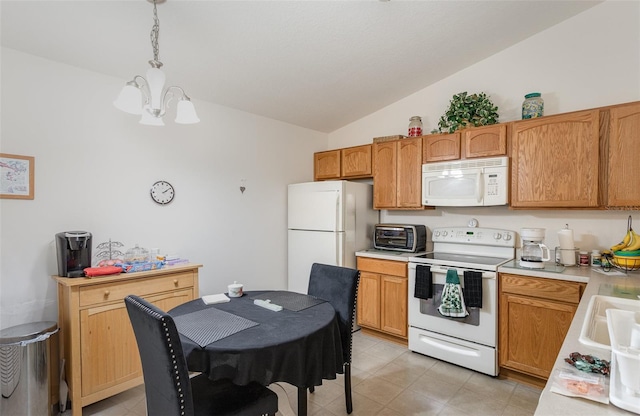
553, 271
599, 283
387, 254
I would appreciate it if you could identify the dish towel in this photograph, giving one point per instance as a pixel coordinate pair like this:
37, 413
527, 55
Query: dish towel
473, 289
424, 284
452, 299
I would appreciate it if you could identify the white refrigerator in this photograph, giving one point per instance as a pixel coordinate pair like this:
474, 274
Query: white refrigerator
328, 222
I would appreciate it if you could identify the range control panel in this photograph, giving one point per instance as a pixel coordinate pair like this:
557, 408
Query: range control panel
478, 236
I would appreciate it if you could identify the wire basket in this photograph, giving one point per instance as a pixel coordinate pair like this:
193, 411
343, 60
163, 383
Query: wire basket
626, 263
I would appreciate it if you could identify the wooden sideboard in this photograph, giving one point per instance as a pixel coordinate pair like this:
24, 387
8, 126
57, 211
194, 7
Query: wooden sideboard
97, 341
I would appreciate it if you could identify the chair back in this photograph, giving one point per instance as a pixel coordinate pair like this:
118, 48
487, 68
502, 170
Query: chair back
338, 286
164, 367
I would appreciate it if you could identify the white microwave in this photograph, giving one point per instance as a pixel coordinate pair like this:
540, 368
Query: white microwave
466, 183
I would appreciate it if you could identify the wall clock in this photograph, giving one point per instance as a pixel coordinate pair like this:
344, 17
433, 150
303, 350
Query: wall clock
162, 192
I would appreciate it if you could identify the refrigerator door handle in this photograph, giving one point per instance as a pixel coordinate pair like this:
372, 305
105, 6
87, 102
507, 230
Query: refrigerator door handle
340, 250
338, 224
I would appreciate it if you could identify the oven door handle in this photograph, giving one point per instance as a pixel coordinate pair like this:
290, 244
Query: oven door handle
441, 269
444, 270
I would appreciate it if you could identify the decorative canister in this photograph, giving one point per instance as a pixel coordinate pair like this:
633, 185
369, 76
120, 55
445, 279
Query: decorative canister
532, 106
415, 126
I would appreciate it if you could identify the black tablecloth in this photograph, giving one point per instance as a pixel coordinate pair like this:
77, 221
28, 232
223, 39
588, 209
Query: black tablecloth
299, 348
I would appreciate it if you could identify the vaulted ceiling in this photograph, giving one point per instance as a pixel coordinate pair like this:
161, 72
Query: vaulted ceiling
316, 64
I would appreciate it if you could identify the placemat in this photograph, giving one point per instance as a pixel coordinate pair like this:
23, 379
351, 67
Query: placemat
290, 300
209, 325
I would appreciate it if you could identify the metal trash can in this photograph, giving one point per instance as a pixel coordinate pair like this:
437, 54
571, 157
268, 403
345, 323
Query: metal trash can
25, 369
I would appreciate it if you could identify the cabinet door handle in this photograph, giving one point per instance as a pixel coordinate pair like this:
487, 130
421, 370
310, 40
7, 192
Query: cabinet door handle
106, 293
175, 282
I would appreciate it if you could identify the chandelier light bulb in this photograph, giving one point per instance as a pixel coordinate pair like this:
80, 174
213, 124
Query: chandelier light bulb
130, 99
186, 112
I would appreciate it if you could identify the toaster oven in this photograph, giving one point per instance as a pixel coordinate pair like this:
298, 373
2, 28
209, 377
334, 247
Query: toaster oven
400, 237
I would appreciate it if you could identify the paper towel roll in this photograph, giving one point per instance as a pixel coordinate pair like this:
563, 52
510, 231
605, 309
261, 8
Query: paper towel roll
567, 247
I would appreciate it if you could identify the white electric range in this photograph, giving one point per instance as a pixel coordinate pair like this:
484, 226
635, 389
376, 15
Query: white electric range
471, 341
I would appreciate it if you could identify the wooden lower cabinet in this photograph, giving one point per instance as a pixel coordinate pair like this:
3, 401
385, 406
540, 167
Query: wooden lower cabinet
382, 298
98, 343
534, 314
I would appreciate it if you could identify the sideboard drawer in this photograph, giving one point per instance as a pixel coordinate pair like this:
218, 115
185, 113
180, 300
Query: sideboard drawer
115, 291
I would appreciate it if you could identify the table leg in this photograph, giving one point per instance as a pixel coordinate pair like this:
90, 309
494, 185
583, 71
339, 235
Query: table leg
302, 401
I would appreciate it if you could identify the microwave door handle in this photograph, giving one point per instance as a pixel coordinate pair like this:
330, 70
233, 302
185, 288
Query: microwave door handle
479, 186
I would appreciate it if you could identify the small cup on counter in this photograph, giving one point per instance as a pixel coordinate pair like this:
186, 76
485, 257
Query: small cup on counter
235, 290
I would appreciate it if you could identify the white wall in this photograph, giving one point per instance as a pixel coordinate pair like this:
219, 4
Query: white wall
94, 166
588, 61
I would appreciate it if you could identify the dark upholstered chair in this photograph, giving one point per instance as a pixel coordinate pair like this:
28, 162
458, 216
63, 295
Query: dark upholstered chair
338, 286
168, 388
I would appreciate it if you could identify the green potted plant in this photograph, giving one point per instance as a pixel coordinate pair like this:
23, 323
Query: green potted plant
468, 111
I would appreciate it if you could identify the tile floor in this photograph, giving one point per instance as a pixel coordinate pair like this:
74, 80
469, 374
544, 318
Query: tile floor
387, 380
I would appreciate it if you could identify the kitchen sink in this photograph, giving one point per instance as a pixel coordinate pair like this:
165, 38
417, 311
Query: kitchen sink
594, 331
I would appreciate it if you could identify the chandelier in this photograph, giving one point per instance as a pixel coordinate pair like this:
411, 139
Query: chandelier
148, 97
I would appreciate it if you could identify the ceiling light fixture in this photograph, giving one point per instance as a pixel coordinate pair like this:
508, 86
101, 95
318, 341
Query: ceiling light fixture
156, 96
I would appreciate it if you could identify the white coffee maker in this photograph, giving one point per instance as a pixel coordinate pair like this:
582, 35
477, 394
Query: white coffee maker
534, 253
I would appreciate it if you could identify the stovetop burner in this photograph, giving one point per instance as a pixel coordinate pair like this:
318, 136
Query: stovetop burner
460, 260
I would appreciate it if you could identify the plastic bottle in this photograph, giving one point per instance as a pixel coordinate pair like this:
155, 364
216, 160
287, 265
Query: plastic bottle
584, 258
596, 258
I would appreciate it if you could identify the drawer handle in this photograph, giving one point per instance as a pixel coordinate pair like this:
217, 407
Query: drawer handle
106, 293
175, 282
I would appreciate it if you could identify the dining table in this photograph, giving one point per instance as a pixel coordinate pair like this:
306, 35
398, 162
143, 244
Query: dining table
244, 342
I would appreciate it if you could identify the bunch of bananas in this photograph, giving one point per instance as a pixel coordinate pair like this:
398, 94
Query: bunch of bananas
630, 242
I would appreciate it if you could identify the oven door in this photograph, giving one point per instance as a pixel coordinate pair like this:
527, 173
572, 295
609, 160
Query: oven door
479, 327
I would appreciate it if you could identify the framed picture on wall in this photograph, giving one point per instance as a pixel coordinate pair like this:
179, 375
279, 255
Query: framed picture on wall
16, 176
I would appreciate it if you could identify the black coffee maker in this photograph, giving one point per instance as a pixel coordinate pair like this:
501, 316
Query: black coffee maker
74, 253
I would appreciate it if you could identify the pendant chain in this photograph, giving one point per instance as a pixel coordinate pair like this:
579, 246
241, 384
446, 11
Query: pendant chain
155, 33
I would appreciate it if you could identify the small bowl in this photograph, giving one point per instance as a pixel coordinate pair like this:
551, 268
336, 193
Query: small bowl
621, 253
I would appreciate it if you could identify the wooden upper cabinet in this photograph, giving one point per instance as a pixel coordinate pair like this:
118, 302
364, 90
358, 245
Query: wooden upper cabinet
346, 163
397, 174
555, 162
356, 162
326, 165
622, 153
385, 173
440, 147
409, 192
485, 141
